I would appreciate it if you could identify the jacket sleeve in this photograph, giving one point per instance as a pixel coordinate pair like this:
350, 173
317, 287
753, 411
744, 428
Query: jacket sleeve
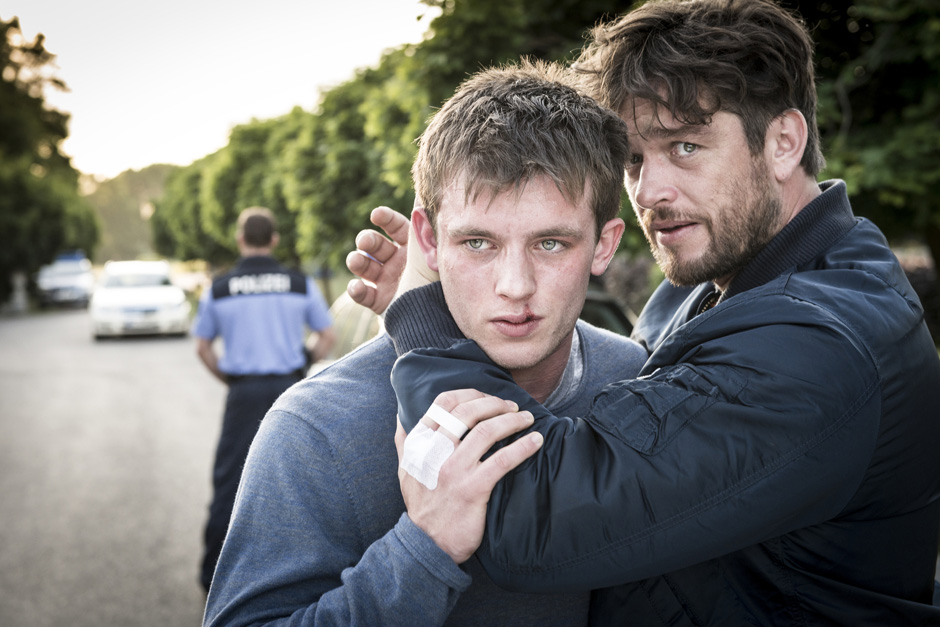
293, 555
728, 447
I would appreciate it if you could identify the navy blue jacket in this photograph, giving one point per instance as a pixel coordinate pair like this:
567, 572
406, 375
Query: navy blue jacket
775, 463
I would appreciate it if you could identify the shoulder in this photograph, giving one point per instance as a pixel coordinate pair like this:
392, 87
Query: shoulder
610, 351
352, 393
589, 333
336, 428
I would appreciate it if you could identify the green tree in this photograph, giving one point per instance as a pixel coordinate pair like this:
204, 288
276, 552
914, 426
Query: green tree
123, 206
879, 95
41, 212
879, 80
334, 177
359, 149
250, 171
177, 223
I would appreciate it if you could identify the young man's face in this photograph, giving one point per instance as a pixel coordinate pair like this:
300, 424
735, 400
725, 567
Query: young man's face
705, 203
515, 270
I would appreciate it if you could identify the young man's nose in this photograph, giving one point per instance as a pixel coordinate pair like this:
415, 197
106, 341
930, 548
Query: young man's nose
515, 278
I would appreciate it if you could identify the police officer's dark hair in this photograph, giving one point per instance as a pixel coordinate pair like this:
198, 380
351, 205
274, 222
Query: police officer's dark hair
508, 124
256, 226
694, 58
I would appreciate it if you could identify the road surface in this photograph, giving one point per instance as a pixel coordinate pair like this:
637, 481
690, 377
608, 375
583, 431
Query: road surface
105, 468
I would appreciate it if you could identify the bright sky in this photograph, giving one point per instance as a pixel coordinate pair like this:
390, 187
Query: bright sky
165, 82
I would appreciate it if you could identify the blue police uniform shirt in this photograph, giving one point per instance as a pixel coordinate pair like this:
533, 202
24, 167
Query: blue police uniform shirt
260, 309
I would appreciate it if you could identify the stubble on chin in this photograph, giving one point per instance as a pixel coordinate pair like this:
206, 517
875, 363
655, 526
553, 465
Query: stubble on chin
742, 234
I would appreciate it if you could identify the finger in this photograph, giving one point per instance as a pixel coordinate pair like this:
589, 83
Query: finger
473, 411
359, 263
506, 459
468, 407
361, 293
487, 433
393, 223
372, 244
472, 405
452, 398
363, 266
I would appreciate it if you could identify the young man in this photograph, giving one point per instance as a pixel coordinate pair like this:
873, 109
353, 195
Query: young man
522, 177
260, 309
775, 463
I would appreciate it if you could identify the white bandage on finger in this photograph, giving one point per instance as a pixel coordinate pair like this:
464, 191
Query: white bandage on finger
424, 453
446, 420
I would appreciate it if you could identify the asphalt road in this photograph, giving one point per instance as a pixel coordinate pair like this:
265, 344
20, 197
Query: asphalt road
105, 467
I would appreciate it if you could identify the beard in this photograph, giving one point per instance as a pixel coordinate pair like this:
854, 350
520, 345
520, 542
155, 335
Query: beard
745, 225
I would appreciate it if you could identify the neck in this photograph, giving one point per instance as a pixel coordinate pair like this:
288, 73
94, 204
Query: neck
251, 251
540, 380
796, 193
801, 190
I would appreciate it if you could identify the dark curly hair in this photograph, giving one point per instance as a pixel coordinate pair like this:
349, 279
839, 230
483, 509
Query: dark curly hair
697, 57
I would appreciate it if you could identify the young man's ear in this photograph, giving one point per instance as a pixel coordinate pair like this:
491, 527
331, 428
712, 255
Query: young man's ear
785, 143
424, 234
607, 245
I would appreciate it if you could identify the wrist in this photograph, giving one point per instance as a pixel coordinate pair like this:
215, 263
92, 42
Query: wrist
426, 552
458, 555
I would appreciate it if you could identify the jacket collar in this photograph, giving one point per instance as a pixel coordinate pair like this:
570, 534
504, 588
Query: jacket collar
825, 220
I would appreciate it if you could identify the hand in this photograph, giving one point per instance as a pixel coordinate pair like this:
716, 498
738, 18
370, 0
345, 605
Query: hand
386, 267
454, 513
378, 260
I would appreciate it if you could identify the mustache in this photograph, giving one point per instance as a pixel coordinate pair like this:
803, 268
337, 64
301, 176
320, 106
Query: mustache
667, 214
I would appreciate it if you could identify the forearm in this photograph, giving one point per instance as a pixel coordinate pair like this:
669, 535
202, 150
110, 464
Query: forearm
635, 514
291, 542
209, 359
390, 584
628, 492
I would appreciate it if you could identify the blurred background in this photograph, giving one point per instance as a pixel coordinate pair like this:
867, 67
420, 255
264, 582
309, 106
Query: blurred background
139, 133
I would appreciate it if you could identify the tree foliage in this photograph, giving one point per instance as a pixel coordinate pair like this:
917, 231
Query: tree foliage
323, 171
123, 205
326, 170
177, 218
41, 212
879, 72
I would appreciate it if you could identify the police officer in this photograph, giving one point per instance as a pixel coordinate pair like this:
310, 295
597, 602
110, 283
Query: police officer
260, 309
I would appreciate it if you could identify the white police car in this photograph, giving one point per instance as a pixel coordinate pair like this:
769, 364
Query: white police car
138, 297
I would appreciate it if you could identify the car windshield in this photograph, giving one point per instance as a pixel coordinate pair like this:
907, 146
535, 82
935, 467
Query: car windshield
136, 280
63, 269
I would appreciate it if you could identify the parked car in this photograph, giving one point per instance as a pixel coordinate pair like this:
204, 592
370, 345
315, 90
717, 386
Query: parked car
68, 280
138, 297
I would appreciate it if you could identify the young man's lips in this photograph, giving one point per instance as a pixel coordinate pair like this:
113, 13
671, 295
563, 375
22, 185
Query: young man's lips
516, 326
